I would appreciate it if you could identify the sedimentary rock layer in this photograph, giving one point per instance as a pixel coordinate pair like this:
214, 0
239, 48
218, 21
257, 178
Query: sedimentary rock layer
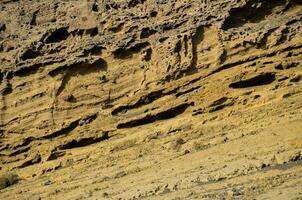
202, 92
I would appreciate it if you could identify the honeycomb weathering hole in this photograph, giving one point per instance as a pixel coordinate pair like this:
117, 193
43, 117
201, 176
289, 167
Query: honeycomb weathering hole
261, 79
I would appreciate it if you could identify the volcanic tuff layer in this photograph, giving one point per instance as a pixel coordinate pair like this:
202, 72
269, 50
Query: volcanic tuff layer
155, 99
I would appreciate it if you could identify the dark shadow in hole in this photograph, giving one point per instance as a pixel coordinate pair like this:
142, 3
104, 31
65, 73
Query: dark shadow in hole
261, 79
172, 112
82, 142
126, 53
251, 12
57, 36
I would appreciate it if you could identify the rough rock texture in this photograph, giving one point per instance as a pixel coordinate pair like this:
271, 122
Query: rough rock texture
8, 179
154, 99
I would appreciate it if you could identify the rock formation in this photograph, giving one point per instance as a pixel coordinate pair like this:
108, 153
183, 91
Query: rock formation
155, 99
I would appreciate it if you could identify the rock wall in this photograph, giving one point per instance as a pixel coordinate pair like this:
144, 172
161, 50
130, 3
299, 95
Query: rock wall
84, 73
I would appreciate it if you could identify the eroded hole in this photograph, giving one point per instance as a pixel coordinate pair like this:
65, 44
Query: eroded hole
57, 36
261, 79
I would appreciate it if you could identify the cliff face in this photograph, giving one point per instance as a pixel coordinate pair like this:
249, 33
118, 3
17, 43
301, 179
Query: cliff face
156, 99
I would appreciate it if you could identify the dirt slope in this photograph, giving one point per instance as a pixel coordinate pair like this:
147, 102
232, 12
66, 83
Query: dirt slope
151, 99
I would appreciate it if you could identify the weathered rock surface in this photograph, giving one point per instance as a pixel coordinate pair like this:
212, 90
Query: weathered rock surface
156, 99
8, 179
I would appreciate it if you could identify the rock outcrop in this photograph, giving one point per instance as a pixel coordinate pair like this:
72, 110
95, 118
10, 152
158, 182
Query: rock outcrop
162, 99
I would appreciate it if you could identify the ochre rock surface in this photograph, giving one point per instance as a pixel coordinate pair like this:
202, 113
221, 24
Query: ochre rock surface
151, 99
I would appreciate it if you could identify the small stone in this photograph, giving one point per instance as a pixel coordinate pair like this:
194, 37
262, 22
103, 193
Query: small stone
46, 183
8, 179
186, 152
105, 194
